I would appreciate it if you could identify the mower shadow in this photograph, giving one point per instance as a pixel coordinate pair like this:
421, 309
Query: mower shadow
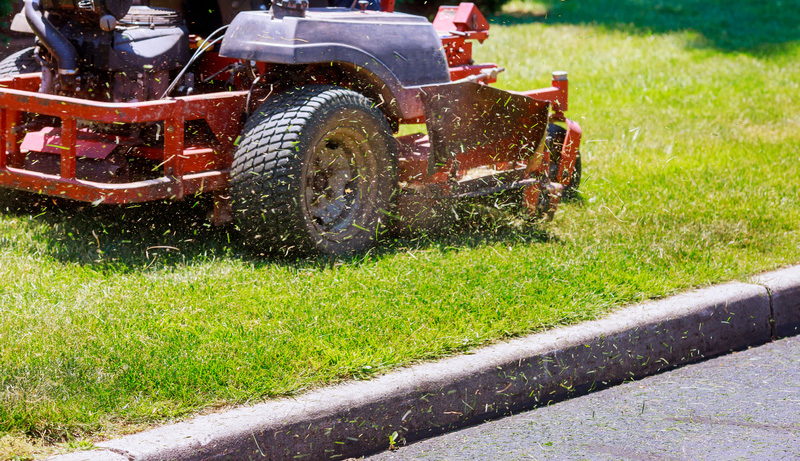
135, 238
758, 28
122, 238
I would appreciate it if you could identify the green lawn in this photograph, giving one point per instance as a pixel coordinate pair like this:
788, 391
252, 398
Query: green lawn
112, 318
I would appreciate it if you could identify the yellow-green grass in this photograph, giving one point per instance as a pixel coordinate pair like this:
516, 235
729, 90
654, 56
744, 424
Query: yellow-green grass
112, 319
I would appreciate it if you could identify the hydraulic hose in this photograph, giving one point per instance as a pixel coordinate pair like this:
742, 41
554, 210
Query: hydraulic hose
51, 38
205, 46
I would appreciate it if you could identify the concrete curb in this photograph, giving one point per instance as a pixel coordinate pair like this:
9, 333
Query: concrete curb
358, 418
784, 289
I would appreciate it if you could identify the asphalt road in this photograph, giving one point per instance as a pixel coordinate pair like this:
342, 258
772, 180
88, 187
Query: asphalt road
744, 405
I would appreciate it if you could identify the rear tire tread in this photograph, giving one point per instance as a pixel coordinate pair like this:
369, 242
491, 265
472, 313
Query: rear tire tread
21, 62
267, 168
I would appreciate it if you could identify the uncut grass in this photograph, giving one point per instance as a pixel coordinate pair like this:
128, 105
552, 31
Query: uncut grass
115, 318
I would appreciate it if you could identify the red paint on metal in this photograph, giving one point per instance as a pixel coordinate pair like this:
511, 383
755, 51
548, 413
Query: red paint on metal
457, 73
60, 106
68, 153
387, 6
24, 82
3, 147
132, 192
199, 159
458, 50
558, 94
561, 100
462, 18
223, 113
173, 147
572, 142
186, 168
531, 198
49, 141
456, 25
212, 62
413, 162
11, 119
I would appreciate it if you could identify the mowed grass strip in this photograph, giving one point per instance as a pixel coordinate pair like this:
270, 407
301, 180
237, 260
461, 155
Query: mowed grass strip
115, 318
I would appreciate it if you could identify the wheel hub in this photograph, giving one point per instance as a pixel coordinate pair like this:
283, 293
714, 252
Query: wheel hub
331, 189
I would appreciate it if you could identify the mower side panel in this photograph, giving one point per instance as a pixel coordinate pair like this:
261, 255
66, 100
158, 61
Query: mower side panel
470, 117
402, 50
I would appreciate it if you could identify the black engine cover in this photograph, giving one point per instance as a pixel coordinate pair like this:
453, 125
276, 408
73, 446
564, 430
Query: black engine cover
163, 49
133, 62
150, 38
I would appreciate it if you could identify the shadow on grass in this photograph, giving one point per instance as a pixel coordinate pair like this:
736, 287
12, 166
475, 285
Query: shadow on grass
121, 238
759, 28
135, 238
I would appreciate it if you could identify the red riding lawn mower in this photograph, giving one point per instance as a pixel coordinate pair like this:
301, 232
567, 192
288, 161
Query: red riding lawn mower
286, 114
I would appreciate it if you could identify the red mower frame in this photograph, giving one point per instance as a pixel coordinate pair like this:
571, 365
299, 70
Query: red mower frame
197, 168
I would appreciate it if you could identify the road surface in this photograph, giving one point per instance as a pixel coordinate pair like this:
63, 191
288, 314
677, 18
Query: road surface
744, 405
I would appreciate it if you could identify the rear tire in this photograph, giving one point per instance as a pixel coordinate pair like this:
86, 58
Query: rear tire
555, 144
314, 171
21, 62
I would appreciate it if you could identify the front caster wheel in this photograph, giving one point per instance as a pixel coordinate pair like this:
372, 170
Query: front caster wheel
314, 171
555, 144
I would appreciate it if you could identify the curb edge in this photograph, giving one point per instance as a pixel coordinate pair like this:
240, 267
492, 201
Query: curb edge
357, 418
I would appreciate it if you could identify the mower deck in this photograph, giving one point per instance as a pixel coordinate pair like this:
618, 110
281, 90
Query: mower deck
479, 167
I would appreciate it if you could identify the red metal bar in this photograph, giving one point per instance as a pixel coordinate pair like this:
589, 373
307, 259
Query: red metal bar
219, 110
3, 129
217, 106
134, 192
560, 81
194, 159
459, 72
10, 146
181, 163
387, 6
173, 147
103, 112
569, 153
25, 82
558, 93
69, 126
214, 105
